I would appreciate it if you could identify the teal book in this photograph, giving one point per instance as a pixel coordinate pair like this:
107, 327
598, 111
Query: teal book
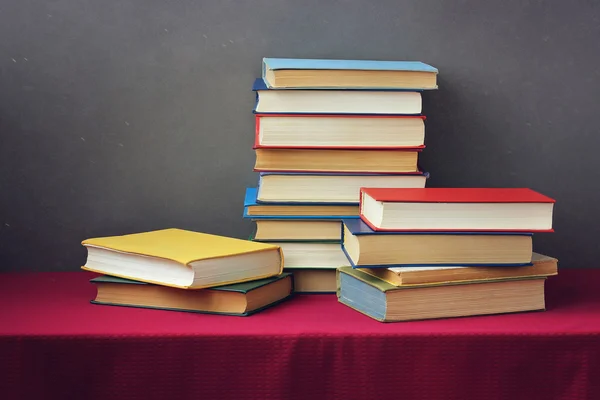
386, 302
295, 73
240, 299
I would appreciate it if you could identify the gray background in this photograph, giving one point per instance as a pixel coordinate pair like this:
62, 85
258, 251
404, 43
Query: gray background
125, 116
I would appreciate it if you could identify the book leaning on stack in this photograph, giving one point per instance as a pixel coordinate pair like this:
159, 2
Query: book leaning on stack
175, 269
436, 253
323, 130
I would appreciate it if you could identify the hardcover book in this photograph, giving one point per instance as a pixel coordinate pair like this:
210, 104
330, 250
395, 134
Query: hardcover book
182, 259
328, 188
240, 299
357, 102
322, 74
295, 211
385, 302
339, 131
367, 248
456, 209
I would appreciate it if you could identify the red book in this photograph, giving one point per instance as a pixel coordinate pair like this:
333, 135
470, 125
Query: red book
315, 131
456, 209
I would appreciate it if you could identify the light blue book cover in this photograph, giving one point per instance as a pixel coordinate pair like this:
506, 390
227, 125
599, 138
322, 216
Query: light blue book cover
271, 66
362, 65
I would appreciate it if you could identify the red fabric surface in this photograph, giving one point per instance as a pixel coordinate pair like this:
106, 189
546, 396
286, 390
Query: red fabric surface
55, 344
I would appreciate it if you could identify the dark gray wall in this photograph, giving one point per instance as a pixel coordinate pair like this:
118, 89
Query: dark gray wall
124, 116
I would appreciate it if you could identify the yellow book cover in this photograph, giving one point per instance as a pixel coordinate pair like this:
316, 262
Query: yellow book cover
181, 258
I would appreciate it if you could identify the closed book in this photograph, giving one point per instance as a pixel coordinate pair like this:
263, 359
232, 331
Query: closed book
336, 101
241, 299
182, 259
337, 160
367, 248
295, 211
314, 280
541, 266
313, 131
456, 209
297, 230
295, 73
385, 302
311, 254
328, 188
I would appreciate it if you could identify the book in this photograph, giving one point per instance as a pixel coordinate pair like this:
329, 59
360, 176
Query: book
241, 299
337, 160
328, 188
300, 229
367, 248
295, 211
314, 280
339, 131
359, 102
320, 73
542, 266
385, 302
182, 259
456, 209
304, 254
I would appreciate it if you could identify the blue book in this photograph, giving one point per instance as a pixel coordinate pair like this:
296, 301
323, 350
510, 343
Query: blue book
387, 302
366, 248
336, 101
296, 211
328, 188
295, 73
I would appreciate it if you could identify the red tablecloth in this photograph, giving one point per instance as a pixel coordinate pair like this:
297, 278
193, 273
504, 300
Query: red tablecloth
55, 344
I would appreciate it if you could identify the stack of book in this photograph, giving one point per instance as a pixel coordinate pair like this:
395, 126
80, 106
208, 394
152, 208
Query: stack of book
323, 130
434, 253
175, 269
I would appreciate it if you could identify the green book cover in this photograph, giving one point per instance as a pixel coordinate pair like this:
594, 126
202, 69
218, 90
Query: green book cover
243, 287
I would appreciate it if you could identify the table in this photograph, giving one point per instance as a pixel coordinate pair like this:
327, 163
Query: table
55, 344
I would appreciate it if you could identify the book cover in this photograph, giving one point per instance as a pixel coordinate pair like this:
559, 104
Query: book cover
456, 195
244, 288
181, 246
362, 65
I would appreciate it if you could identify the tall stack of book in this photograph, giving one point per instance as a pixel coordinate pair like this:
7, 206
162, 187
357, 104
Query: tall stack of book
175, 269
438, 252
324, 129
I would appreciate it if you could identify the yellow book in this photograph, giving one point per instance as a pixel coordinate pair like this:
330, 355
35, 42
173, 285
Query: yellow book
183, 259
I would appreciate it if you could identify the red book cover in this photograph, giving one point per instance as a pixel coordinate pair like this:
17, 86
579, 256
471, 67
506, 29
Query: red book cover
456, 195
257, 144
452, 195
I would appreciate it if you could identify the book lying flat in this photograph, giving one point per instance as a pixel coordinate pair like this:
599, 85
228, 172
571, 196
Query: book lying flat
322, 74
367, 248
339, 131
328, 188
295, 211
182, 259
240, 299
337, 160
314, 280
542, 266
385, 302
358, 102
287, 229
321, 255
456, 209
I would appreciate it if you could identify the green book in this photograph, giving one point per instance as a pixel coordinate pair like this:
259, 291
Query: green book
385, 302
240, 299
